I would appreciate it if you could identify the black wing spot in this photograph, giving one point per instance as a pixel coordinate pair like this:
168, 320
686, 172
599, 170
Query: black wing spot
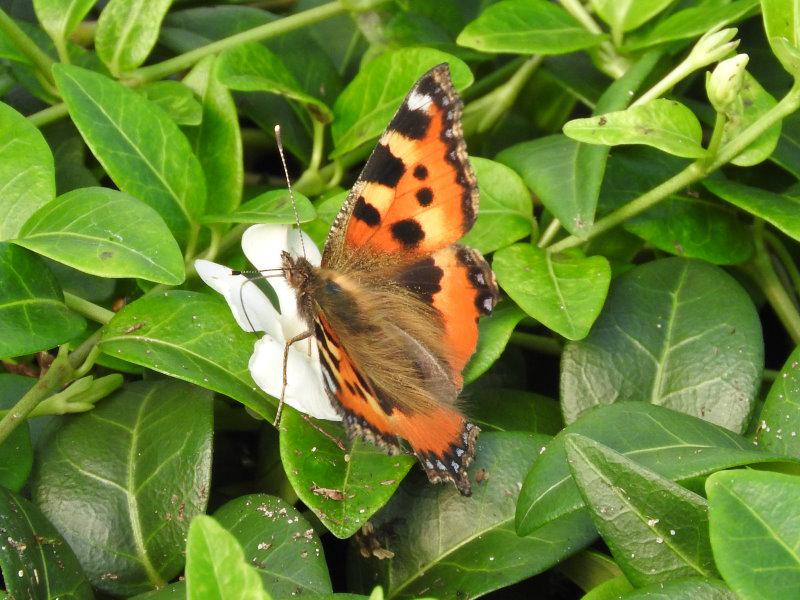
365, 212
424, 196
424, 278
408, 232
383, 167
421, 172
412, 124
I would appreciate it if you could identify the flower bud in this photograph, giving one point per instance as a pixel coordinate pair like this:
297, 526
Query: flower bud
725, 83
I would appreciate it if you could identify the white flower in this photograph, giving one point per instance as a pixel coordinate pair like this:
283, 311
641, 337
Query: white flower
263, 244
724, 85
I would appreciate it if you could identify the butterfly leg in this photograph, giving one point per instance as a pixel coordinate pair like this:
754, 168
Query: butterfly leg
287, 345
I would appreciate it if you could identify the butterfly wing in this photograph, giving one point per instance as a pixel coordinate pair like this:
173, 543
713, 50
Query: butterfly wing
417, 192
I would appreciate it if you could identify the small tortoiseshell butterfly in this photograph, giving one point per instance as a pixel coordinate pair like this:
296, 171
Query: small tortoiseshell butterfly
395, 303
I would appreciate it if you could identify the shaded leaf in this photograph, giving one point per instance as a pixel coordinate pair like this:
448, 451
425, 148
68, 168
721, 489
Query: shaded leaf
780, 22
176, 99
625, 16
274, 206
692, 588
779, 421
750, 105
494, 332
127, 30
16, 453
503, 409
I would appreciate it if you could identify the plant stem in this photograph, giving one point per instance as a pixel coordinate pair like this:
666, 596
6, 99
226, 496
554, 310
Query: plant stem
549, 233
764, 273
694, 172
538, 343
318, 146
60, 373
612, 63
90, 310
40, 59
256, 34
48, 115
777, 246
716, 134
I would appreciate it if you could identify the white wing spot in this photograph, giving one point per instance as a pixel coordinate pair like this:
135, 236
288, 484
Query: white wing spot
416, 101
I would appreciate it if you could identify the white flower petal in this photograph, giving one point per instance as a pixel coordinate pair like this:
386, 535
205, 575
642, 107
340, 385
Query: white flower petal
296, 248
304, 389
250, 307
262, 245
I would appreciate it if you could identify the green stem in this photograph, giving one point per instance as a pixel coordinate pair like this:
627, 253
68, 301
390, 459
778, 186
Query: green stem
88, 309
213, 245
611, 62
716, 134
694, 172
191, 243
257, 34
60, 373
549, 233
318, 146
764, 273
40, 59
538, 343
782, 253
48, 115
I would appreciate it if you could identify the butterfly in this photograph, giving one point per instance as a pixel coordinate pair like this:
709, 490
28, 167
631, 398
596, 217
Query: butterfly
395, 302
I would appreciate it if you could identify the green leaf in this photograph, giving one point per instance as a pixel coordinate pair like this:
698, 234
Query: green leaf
448, 546
693, 22
651, 344
755, 532
656, 530
506, 211
191, 336
32, 312
26, 171
663, 124
35, 561
527, 27
494, 332
279, 542
780, 22
779, 421
121, 486
502, 409
787, 152
367, 104
253, 68
565, 292
274, 206
126, 32
625, 16
59, 18
692, 588
218, 140
140, 148
780, 210
104, 232
564, 174
175, 99
677, 446
216, 568
343, 487
16, 454
695, 228
750, 105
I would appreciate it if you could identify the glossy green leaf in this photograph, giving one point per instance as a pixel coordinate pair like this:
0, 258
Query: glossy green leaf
695, 228
692, 588
141, 149
506, 211
59, 18
253, 68
367, 104
611, 589
218, 140
780, 210
503, 409
127, 30
27, 174
674, 445
32, 312
121, 486
564, 292
625, 16
651, 344
16, 453
274, 206
750, 105
779, 421
216, 567
754, 519
191, 336
780, 22
656, 530
692, 22
175, 99
663, 124
493, 334
445, 544
527, 27
787, 152
104, 232
343, 483
35, 561
279, 542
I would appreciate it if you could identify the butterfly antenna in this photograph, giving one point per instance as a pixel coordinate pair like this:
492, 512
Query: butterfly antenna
289, 186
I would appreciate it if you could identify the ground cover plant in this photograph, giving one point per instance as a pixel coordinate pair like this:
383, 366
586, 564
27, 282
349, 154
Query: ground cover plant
637, 386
